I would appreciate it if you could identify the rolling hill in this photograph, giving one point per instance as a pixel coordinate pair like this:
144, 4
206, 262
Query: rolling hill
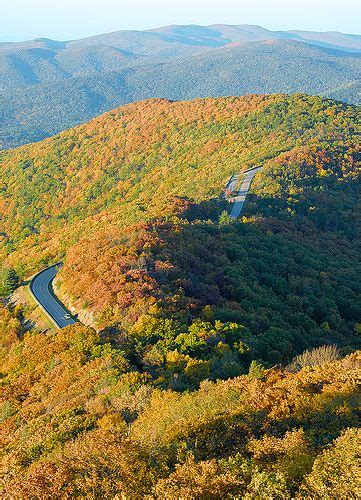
80, 79
186, 378
119, 198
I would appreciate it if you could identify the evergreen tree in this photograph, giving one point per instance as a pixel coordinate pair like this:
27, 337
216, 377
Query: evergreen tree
9, 281
224, 218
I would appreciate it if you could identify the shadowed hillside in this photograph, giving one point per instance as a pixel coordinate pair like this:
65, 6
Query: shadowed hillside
128, 165
217, 357
131, 202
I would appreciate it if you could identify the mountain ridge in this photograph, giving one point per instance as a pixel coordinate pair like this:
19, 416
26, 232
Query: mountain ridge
201, 324
216, 32
80, 79
80, 82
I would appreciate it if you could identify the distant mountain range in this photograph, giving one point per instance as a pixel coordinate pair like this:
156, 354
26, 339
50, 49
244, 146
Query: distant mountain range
47, 85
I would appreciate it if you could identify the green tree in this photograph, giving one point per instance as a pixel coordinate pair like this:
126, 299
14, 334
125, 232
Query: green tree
224, 218
256, 370
9, 281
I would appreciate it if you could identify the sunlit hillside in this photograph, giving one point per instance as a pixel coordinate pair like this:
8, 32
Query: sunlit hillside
128, 165
222, 362
79, 420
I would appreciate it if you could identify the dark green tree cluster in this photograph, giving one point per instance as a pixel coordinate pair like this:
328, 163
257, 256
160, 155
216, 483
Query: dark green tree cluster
9, 281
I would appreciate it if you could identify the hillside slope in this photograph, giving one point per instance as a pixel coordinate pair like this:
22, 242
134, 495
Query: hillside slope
78, 418
188, 387
80, 79
127, 165
131, 201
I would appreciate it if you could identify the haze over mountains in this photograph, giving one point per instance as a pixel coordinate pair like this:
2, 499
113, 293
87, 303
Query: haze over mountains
170, 41
47, 86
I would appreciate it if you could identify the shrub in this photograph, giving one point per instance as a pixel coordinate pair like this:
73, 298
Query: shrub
335, 473
314, 357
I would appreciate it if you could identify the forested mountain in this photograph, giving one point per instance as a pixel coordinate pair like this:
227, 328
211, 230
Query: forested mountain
188, 380
170, 41
132, 202
80, 421
79, 79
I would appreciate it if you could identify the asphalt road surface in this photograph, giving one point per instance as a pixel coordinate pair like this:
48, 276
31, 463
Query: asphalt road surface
231, 184
242, 193
41, 284
41, 288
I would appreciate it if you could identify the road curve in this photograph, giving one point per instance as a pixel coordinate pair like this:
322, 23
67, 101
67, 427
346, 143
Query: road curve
242, 193
41, 284
42, 291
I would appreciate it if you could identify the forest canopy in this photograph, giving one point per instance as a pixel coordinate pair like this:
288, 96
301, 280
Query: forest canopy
131, 202
130, 164
217, 357
80, 421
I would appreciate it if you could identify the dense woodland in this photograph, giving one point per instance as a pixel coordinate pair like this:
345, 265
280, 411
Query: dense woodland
47, 86
80, 420
188, 387
128, 165
221, 294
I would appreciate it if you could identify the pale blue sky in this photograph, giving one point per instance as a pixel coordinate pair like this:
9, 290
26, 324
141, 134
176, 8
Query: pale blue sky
69, 19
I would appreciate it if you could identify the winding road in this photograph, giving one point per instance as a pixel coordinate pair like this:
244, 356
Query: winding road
242, 193
41, 284
42, 290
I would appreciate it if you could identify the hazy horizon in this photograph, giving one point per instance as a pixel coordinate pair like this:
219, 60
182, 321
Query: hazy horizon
24, 20
175, 24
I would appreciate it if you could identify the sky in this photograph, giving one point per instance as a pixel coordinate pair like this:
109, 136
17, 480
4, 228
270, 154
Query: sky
72, 19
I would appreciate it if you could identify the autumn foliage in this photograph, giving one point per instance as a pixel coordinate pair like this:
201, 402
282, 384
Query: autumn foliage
220, 358
128, 165
80, 421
